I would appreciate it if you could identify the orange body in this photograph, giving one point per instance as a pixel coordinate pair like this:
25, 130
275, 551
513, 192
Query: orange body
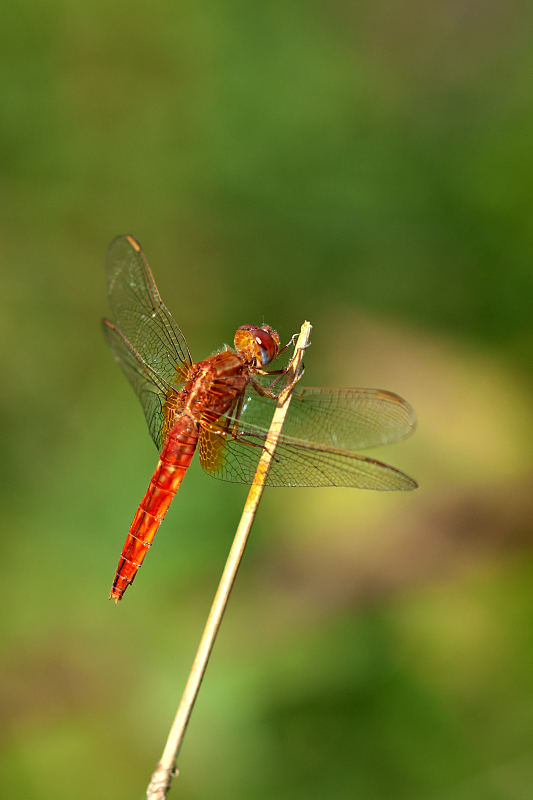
175, 458
210, 393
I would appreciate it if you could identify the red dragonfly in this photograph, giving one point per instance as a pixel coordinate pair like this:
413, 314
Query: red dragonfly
224, 406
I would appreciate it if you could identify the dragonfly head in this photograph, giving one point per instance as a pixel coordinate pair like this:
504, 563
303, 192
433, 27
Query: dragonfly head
259, 345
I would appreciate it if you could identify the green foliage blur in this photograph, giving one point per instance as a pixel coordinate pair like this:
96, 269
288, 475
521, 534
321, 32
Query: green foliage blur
369, 167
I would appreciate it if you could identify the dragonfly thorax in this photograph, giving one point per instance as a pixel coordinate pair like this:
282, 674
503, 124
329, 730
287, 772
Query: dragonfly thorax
258, 345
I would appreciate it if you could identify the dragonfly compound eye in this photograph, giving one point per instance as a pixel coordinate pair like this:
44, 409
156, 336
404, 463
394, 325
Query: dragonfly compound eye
259, 343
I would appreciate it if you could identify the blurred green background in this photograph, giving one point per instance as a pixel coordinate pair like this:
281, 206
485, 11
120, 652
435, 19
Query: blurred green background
368, 167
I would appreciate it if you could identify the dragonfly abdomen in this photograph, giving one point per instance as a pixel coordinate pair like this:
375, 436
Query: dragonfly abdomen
175, 458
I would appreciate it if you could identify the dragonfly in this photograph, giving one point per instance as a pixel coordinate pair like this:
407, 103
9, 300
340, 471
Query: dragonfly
223, 407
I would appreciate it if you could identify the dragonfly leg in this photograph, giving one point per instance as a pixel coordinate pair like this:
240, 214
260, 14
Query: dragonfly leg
267, 392
262, 390
238, 435
289, 344
284, 370
238, 409
230, 423
293, 338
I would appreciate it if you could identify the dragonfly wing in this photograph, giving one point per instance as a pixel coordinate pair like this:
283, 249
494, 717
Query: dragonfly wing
140, 313
294, 464
350, 419
342, 419
148, 386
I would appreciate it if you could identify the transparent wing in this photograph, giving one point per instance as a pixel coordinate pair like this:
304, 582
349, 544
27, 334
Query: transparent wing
344, 419
350, 419
141, 315
149, 387
322, 429
235, 460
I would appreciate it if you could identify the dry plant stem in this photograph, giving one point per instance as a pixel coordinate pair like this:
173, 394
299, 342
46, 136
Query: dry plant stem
166, 769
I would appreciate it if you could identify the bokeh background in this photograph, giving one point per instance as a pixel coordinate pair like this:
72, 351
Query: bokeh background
367, 166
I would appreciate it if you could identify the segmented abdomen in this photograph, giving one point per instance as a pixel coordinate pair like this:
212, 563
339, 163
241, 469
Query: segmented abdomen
173, 463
